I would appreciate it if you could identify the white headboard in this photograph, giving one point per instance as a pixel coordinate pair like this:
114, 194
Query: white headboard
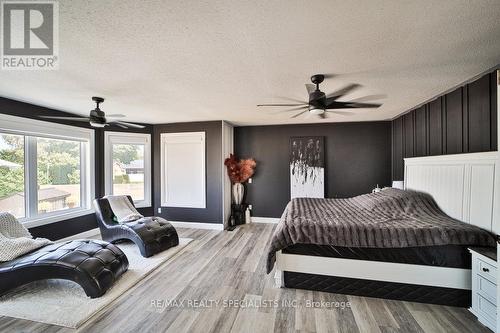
465, 186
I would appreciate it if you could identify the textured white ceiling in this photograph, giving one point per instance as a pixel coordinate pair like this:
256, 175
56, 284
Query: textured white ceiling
174, 61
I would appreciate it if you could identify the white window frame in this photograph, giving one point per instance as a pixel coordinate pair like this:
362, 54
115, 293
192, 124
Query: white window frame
181, 138
31, 129
114, 138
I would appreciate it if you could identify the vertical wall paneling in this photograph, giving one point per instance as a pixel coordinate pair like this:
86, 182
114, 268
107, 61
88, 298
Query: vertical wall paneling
435, 120
420, 131
493, 108
443, 125
397, 148
409, 134
479, 115
465, 118
454, 122
461, 121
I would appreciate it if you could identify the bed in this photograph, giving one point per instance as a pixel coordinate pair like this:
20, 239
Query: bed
406, 245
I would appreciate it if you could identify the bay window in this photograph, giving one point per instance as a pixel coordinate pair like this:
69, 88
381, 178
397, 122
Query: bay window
46, 170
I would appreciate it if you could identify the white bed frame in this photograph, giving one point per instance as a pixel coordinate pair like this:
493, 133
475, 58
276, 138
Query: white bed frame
465, 186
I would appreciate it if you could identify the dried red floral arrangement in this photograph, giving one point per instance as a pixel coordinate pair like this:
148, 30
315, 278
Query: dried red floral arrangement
239, 170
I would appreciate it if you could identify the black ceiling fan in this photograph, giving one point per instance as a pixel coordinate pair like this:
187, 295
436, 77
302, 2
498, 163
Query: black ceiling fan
98, 118
320, 103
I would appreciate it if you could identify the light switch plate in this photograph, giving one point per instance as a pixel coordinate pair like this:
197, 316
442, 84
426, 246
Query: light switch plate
159, 210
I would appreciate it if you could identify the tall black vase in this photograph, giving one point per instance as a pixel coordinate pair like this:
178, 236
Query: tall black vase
238, 213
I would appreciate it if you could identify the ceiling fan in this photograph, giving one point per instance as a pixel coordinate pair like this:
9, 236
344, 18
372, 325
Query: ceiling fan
320, 103
98, 118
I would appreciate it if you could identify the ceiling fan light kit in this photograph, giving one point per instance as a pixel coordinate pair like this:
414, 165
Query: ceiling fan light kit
319, 103
97, 124
316, 111
97, 117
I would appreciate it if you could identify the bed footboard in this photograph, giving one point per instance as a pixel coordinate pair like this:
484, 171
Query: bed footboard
379, 289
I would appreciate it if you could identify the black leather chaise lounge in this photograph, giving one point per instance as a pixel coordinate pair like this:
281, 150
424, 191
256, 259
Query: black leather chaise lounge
95, 265
151, 234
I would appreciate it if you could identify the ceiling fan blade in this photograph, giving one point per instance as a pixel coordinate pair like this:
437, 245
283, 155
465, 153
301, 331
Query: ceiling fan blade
365, 105
86, 119
310, 88
305, 107
300, 113
128, 124
115, 115
329, 75
118, 124
349, 105
368, 98
291, 99
302, 104
343, 113
341, 92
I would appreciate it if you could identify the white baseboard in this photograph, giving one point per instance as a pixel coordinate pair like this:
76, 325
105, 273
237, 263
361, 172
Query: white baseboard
197, 225
83, 235
94, 232
256, 219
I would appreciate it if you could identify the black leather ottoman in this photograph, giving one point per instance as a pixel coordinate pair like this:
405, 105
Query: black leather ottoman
95, 265
151, 234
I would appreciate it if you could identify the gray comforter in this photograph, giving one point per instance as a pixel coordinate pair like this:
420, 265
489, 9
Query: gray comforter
389, 219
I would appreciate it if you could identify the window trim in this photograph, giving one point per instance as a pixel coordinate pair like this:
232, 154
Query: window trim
31, 128
111, 138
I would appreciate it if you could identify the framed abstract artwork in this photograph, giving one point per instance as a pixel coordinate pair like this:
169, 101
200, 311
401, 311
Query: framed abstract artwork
307, 167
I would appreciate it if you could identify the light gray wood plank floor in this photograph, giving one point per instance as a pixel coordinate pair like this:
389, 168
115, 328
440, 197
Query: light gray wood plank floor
230, 267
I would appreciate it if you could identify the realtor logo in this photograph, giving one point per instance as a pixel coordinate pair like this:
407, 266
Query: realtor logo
30, 35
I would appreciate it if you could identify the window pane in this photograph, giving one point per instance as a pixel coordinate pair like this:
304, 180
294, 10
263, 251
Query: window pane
58, 164
128, 170
12, 174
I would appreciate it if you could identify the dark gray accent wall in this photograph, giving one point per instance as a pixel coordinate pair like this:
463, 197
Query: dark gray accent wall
357, 158
213, 139
80, 224
462, 121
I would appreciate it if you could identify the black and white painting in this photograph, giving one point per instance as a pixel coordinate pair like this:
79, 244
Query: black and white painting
307, 167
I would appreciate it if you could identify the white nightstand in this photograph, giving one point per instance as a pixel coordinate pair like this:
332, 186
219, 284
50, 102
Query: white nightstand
484, 285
